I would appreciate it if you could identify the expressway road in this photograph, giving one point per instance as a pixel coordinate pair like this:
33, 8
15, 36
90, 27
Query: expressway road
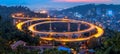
99, 33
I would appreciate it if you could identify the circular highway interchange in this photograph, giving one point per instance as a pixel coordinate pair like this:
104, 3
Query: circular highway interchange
92, 31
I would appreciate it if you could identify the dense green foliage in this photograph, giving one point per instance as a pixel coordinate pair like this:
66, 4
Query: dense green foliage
111, 45
9, 34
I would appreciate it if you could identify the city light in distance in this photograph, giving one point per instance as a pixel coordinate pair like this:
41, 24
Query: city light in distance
43, 11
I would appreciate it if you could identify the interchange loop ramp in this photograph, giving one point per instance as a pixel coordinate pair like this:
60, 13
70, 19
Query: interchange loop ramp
59, 36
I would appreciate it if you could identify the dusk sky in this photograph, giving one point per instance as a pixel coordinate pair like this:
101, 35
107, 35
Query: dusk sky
36, 4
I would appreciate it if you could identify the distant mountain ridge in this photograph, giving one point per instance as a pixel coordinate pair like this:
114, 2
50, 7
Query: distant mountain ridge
83, 9
6, 12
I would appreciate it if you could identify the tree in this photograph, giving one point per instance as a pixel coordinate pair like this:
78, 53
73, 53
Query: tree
111, 45
0, 18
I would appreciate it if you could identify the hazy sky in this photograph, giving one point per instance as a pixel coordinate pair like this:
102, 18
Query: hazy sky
36, 4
